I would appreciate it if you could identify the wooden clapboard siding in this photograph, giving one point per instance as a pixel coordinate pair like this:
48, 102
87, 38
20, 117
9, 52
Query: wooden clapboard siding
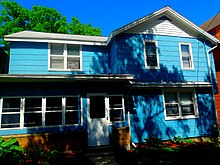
217, 96
130, 58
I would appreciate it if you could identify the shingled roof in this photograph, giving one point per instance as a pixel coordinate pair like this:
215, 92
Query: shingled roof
211, 23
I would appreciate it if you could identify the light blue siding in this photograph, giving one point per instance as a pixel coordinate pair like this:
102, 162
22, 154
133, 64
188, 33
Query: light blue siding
32, 58
130, 53
148, 119
28, 58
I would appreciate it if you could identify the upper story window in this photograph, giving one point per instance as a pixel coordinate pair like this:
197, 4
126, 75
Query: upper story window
151, 55
64, 57
180, 104
186, 55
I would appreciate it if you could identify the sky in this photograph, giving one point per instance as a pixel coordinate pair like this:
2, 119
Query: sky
110, 15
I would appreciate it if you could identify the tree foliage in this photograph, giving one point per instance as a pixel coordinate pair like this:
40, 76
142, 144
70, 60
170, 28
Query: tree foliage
15, 18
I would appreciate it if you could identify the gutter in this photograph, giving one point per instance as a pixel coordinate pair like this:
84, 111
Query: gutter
210, 75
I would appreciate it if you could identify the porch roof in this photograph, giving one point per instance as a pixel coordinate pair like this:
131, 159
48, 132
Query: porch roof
64, 77
171, 84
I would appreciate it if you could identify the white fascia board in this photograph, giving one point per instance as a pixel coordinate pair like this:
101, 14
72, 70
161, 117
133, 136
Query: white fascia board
57, 41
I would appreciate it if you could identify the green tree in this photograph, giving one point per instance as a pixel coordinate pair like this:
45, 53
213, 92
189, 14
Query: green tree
15, 18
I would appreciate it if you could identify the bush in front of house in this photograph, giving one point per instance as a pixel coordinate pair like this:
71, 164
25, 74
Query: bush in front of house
10, 151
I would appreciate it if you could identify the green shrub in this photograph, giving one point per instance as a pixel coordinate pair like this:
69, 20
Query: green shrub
10, 151
153, 141
40, 155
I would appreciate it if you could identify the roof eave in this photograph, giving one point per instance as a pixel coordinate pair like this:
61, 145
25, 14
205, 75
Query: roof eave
175, 15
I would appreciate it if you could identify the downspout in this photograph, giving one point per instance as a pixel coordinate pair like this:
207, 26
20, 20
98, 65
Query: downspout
210, 75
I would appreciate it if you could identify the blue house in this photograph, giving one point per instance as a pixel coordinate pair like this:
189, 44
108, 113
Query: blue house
154, 75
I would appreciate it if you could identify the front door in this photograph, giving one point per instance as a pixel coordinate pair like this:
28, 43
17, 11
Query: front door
98, 122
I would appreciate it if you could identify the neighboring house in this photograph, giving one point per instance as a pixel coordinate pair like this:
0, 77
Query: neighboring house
4, 61
212, 26
154, 75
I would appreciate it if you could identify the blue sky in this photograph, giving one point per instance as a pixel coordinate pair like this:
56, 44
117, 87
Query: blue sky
112, 14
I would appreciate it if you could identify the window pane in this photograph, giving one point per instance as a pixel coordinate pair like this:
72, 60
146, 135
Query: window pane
73, 50
72, 117
170, 97
151, 54
11, 105
97, 107
186, 57
152, 60
32, 119
56, 49
73, 63
72, 103
54, 104
186, 97
33, 104
10, 120
115, 101
150, 48
53, 118
187, 109
187, 105
172, 110
116, 115
56, 62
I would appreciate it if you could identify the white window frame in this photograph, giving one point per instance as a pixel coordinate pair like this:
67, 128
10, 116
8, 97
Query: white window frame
145, 55
20, 113
191, 55
43, 111
65, 56
194, 99
123, 108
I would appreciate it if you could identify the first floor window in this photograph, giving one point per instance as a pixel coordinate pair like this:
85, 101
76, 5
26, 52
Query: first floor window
10, 113
40, 112
180, 104
53, 115
33, 112
116, 108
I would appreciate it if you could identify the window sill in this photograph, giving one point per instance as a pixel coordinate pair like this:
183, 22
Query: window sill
64, 70
148, 67
182, 117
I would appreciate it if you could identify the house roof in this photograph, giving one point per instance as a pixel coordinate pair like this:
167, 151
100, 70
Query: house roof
211, 23
167, 11
98, 40
55, 37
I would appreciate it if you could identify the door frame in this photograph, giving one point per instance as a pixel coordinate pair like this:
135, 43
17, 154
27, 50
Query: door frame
106, 111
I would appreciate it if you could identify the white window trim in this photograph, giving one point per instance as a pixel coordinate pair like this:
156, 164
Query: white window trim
1, 107
65, 58
43, 106
190, 50
145, 55
123, 108
180, 116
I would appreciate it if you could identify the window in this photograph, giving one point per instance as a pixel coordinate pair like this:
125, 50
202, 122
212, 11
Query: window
10, 113
64, 57
72, 113
180, 104
33, 112
186, 55
53, 115
116, 108
151, 57
39, 112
